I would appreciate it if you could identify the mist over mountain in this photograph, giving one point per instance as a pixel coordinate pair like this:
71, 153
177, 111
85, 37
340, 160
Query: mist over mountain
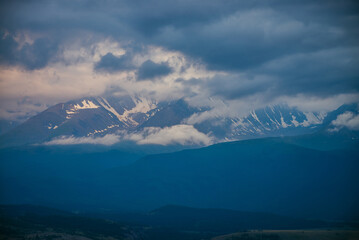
109, 121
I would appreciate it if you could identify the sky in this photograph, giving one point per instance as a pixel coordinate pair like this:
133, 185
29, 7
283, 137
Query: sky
246, 53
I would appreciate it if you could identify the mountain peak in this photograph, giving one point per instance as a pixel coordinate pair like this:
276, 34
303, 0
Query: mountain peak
98, 116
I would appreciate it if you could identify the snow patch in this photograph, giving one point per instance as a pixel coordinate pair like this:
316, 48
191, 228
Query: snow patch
284, 124
104, 103
102, 130
294, 121
51, 127
254, 115
86, 104
142, 105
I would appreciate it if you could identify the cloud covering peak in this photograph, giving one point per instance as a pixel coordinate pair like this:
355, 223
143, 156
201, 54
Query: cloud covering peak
242, 52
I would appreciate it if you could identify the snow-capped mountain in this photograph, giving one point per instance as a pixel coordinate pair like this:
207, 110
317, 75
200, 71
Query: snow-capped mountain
99, 116
278, 120
125, 112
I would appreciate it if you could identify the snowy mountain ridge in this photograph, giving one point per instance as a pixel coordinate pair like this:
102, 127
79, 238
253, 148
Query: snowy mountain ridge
99, 116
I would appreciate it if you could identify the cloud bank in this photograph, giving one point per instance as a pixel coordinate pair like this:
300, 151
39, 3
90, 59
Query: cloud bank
348, 120
245, 52
107, 140
150, 70
178, 134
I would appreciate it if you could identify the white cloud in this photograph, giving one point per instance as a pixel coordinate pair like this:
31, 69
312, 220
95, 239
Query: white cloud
297, 54
107, 140
319, 104
219, 109
347, 119
72, 76
178, 134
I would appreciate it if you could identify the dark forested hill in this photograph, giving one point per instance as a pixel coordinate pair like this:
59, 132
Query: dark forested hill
268, 175
257, 175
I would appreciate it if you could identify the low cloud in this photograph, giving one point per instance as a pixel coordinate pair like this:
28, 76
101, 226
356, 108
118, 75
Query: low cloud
75, 77
178, 134
348, 120
111, 63
149, 70
244, 51
107, 140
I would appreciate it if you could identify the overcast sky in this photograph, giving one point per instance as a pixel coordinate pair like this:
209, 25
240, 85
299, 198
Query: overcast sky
247, 53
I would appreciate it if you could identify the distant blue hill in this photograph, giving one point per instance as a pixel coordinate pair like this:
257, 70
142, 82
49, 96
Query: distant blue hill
268, 175
255, 175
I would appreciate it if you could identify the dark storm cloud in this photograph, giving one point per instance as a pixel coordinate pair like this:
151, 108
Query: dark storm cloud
321, 74
149, 70
239, 86
30, 56
308, 47
111, 63
249, 38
